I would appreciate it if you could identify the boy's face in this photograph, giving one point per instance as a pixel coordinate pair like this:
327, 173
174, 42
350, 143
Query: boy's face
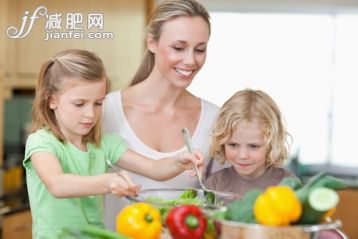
246, 150
78, 107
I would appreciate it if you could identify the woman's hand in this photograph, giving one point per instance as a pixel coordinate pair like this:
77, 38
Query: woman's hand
187, 161
121, 184
162, 169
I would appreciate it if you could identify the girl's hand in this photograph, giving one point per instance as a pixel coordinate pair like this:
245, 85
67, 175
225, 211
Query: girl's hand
188, 160
121, 185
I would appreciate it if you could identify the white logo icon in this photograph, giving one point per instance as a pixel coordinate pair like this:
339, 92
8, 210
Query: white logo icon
13, 32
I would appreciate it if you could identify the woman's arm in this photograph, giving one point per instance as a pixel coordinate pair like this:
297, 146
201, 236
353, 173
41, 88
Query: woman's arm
64, 185
162, 169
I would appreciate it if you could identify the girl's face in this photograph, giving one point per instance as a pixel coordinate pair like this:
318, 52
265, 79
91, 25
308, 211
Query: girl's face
180, 51
246, 150
78, 107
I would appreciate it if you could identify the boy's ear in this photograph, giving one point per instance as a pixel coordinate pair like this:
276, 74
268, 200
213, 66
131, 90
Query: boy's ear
151, 44
52, 102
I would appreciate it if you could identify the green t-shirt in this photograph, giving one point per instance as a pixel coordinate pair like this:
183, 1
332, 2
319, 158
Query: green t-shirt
50, 214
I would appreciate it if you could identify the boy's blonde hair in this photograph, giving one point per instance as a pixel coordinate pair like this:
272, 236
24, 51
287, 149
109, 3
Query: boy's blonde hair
76, 65
243, 107
164, 12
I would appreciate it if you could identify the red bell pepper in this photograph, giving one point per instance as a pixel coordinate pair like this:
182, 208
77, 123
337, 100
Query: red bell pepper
186, 221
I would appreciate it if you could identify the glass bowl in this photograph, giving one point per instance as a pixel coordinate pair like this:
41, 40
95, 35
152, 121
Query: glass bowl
169, 194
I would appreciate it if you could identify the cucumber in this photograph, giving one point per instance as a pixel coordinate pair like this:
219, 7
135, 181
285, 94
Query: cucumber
329, 181
323, 199
241, 210
102, 233
320, 201
310, 215
89, 232
303, 192
319, 180
291, 182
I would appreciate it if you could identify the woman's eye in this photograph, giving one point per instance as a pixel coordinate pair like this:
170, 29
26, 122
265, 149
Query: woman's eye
200, 50
178, 48
78, 104
254, 146
99, 103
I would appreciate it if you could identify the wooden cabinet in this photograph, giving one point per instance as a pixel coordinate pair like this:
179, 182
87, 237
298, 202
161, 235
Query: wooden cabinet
20, 59
123, 20
347, 211
1, 118
17, 225
2, 62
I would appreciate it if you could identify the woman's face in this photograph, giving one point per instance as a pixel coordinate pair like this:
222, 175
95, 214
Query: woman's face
180, 51
246, 150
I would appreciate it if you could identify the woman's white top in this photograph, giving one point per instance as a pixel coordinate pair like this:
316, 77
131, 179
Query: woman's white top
114, 121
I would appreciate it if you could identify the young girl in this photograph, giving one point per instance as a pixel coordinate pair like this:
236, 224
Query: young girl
250, 135
65, 156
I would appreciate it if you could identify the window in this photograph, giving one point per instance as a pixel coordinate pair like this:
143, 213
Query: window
308, 63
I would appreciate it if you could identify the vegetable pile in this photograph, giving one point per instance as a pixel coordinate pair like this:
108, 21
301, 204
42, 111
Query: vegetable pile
288, 203
182, 217
142, 221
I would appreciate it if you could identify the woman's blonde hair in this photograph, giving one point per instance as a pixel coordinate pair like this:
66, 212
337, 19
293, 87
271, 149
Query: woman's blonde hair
243, 107
164, 12
76, 65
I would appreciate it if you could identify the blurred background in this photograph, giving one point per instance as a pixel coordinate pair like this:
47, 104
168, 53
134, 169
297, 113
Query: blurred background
304, 53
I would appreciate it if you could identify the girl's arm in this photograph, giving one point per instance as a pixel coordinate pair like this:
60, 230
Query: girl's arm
64, 185
162, 169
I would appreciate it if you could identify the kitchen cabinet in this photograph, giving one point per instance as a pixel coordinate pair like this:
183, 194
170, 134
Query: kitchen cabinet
347, 211
21, 58
121, 53
17, 225
1, 117
2, 62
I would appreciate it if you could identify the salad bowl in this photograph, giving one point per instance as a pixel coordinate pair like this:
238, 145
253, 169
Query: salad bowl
169, 197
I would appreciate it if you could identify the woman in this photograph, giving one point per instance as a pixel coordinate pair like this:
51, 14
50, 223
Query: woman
150, 114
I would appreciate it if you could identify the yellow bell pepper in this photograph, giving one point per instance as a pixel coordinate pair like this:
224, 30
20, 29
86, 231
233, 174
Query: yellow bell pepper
139, 221
277, 206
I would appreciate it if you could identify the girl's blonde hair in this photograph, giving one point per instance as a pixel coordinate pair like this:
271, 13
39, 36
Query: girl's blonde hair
76, 65
164, 12
243, 107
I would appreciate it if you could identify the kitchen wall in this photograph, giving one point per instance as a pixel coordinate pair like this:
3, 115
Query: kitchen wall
281, 5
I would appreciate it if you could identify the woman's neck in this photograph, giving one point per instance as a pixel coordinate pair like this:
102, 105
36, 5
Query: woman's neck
157, 94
